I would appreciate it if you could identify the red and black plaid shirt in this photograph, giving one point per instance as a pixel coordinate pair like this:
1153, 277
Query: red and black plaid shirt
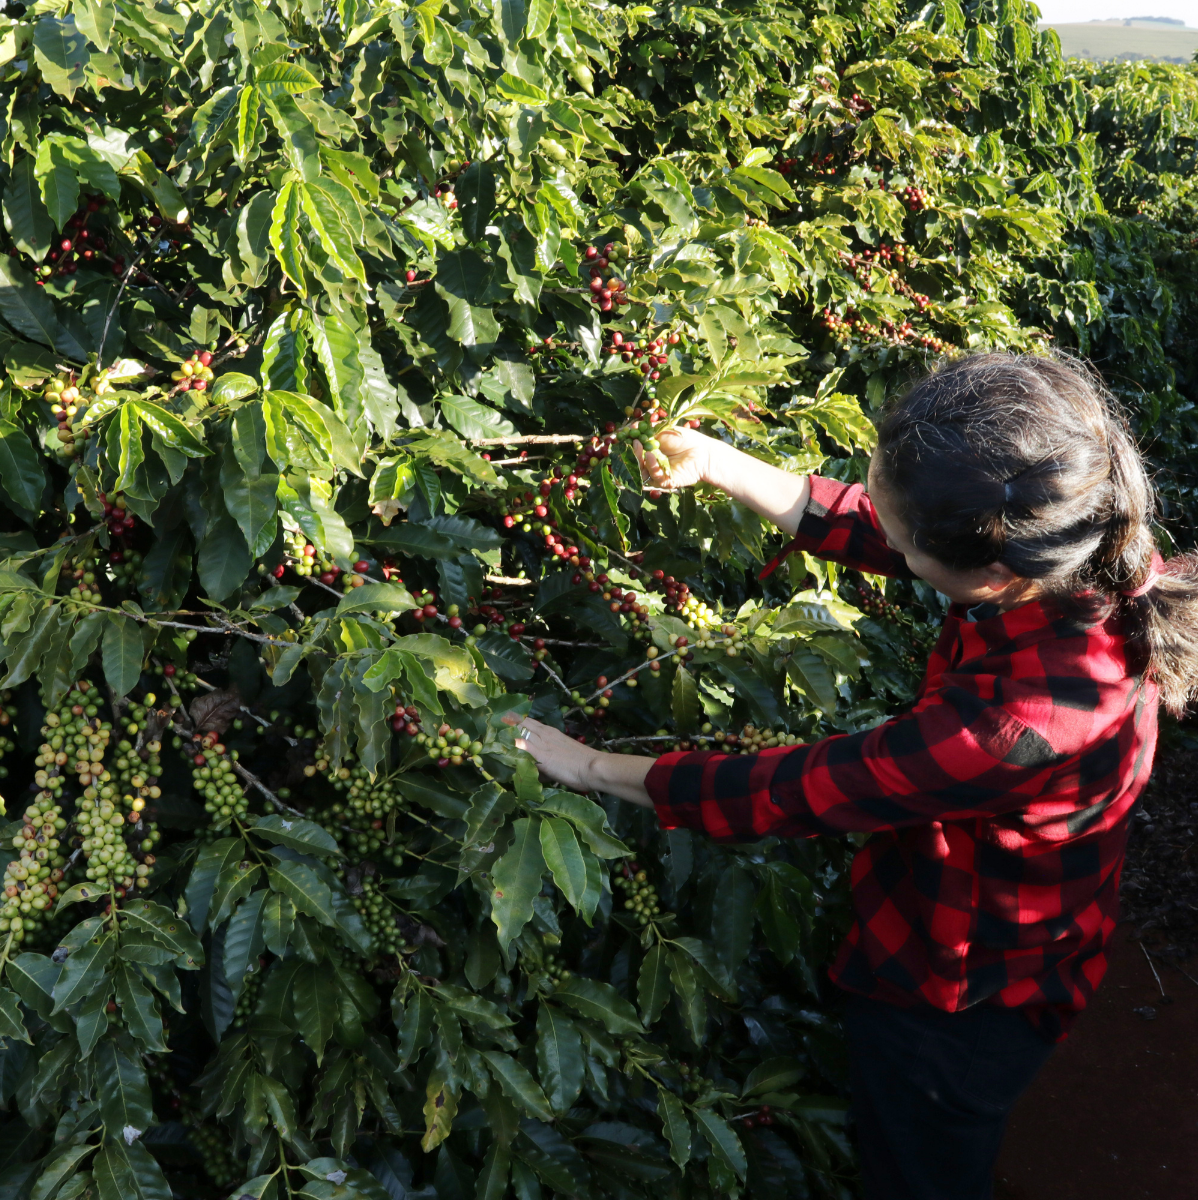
998, 805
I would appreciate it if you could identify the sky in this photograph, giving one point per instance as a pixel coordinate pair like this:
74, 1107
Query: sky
1101, 10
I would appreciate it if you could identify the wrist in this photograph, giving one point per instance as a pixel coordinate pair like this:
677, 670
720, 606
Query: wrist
724, 464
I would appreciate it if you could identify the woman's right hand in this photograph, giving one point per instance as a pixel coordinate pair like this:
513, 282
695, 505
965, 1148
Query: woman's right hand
684, 459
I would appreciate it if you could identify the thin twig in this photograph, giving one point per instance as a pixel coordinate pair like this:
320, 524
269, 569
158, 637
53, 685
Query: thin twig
533, 439
254, 781
1152, 968
116, 301
1177, 967
509, 581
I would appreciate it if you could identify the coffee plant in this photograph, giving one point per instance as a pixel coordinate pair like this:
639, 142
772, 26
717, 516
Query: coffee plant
327, 337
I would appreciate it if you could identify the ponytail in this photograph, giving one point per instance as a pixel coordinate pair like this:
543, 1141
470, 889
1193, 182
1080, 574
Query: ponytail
1028, 461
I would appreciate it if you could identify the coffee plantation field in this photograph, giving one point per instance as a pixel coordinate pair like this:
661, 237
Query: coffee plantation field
326, 333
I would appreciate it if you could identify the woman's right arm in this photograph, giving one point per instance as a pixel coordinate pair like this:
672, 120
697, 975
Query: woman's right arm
692, 457
837, 520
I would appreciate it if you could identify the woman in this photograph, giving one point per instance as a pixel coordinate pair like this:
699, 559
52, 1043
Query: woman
998, 806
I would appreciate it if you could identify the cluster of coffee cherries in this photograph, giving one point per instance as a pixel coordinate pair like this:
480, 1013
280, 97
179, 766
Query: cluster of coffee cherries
124, 566
247, 999
8, 710
7, 746
215, 778
607, 290
32, 880
379, 916
784, 166
858, 104
552, 966
100, 822
117, 516
307, 561
450, 747
83, 572
65, 401
640, 896
871, 602
824, 164
138, 771
184, 681
426, 606
212, 1144
751, 739
915, 198
74, 738
194, 373
362, 810
78, 244
764, 1116
650, 353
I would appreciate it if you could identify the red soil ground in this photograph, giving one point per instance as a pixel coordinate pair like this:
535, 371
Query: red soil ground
1114, 1114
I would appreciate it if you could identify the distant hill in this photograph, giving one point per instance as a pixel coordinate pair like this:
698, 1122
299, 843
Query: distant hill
1158, 38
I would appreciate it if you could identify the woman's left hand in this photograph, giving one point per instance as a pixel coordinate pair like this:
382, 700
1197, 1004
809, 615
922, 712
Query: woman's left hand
559, 756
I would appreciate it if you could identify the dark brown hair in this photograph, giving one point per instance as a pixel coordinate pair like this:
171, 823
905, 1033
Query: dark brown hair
1028, 461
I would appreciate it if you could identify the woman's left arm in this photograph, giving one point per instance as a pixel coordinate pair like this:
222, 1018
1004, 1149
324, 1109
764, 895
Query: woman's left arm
573, 765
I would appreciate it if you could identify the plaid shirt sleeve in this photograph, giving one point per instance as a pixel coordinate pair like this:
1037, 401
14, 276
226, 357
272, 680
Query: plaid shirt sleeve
954, 756
840, 523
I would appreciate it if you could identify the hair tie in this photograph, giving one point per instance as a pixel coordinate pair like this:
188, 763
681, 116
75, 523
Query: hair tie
1008, 492
1154, 573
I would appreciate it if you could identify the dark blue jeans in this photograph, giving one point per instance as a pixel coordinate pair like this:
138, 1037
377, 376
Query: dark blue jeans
931, 1095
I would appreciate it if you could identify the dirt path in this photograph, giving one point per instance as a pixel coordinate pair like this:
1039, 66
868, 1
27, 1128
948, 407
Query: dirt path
1114, 1115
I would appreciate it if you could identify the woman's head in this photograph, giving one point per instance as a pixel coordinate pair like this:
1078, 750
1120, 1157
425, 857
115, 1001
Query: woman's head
1020, 471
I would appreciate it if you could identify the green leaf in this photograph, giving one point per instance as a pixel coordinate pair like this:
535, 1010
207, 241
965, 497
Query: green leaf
302, 886
280, 77
167, 928
685, 701
329, 226
653, 983
493, 1178
21, 476
59, 186
564, 858
774, 1075
12, 1024
600, 1002
675, 1126
30, 311
475, 191
58, 1169
691, 1001
732, 916
415, 1021
285, 237
122, 654
61, 53
518, 1084
124, 1090
129, 1172
559, 1058
223, 557
588, 818
95, 19
25, 215
517, 880
84, 968
387, 597
230, 386
252, 503
475, 421
305, 836
316, 1006
723, 1141
139, 1009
